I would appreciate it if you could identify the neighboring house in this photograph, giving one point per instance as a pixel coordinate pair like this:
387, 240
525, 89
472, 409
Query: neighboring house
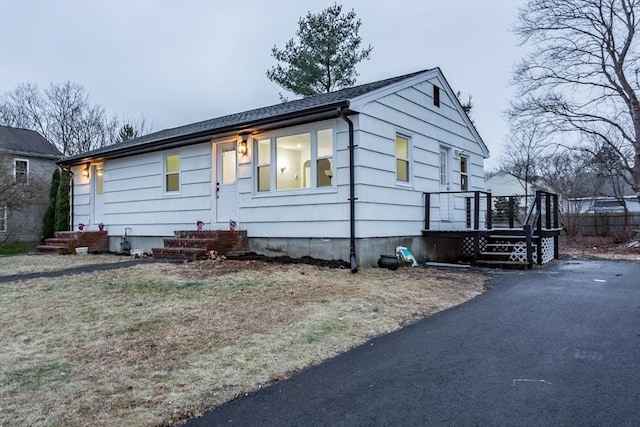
319, 176
506, 184
604, 204
502, 185
27, 163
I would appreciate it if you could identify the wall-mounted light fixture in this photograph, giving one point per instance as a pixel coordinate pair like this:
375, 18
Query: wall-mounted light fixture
85, 171
242, 146
458, 153
282, 169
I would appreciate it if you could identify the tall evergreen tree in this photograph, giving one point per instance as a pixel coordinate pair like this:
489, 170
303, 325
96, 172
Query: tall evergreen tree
324, 56
49, 220
62, 203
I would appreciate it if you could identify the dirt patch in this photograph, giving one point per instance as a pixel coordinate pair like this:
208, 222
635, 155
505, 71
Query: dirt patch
252, 256
595, 247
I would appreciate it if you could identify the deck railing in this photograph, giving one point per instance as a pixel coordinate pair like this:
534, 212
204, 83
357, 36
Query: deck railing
458, 210
480, 210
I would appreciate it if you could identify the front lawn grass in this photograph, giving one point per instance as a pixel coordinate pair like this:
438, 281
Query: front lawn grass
156, 344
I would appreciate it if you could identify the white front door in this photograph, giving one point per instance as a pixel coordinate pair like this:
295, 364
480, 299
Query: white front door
97, 181
226, 177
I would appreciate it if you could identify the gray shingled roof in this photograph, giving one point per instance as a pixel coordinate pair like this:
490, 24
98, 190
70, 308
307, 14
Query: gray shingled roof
26, 142
299, 107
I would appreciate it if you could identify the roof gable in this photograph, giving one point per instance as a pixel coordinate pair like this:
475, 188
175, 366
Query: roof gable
26, 142
414, 79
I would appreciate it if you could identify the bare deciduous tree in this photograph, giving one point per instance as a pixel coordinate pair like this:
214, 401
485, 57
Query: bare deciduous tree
581, 79
523, 153
65, 116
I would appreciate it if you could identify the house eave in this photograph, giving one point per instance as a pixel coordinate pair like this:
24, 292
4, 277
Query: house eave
284, 120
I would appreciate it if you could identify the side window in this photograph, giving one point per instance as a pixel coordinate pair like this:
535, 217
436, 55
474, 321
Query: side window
444, 172
99, 180
21, 171
263, 148
402, 158
172, 173
464, 173
436, 96
3, 219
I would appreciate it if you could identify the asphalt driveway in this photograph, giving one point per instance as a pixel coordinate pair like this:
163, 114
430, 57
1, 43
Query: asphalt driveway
558, 345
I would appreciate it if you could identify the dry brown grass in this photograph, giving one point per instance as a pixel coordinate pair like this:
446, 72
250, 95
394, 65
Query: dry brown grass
158, 343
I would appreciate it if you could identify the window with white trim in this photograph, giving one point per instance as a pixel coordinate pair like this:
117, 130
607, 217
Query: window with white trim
294, 161
172, 173
263, 148
444, 159
3, 219
21, 171
402, 158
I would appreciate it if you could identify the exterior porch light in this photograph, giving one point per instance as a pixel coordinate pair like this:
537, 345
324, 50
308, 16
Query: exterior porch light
85, 171
242, 147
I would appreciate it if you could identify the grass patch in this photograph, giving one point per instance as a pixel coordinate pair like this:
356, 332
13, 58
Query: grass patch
29, 379
155, 344
17, 248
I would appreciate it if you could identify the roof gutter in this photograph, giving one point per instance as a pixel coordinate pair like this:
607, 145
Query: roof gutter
352, 196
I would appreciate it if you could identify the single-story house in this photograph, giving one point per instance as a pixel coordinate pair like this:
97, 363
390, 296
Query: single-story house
604, 205
335, 176
27, 163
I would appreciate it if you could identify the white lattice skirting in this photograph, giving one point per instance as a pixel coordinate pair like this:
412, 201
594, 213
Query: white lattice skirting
547, 249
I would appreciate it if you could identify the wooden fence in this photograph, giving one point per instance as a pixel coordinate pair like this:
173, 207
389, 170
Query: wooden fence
601, 223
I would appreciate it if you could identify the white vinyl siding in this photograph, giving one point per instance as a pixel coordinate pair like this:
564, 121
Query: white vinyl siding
134, 193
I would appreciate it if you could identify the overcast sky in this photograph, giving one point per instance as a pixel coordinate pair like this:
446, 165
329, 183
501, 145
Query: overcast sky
179, 62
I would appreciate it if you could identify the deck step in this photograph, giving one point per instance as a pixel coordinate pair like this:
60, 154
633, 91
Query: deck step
510, 245
503, 264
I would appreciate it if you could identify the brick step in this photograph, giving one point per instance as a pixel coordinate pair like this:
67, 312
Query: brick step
176, 242
60, 241
185, 253
61, 249
204, 234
